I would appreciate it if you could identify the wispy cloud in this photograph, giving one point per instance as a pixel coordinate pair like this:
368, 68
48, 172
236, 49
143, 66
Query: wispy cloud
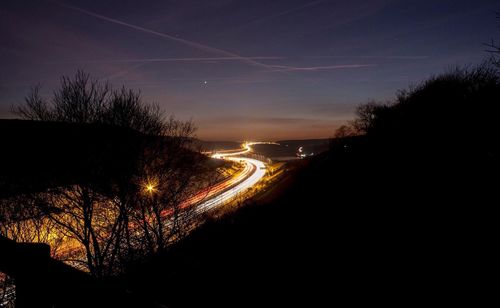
189, 43
124, 71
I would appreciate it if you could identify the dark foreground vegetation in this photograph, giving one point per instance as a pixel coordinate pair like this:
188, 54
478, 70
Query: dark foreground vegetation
402, 214
400, 210
99, 176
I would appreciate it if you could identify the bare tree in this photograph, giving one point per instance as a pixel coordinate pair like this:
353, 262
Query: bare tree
171, 173
91, 221
494, 50
139, 211
36, 107
365, 116
125, 109
7, 291
21, 220
80, 99
345, 131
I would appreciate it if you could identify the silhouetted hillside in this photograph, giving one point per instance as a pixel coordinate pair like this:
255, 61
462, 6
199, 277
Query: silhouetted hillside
39, 154
402, 215
452, 114
345, 227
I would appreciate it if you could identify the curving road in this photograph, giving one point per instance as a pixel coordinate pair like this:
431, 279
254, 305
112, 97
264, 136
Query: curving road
225, 191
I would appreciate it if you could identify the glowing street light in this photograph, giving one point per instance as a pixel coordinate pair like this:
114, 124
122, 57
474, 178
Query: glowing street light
150, 187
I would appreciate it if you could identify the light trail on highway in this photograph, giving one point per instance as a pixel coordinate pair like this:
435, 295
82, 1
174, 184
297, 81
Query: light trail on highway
254, 170
256, 173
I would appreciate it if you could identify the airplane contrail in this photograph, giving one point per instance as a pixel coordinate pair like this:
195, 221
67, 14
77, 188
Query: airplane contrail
284, 68
201, 59
226, 54
189, 43
371, 57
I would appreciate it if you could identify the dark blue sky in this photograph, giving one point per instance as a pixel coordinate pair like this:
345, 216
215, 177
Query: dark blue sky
256, 69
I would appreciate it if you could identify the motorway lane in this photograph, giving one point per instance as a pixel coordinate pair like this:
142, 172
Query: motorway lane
258, 170
221, 193
218, 188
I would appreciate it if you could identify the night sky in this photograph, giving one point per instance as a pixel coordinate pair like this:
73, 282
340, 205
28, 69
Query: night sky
255, 69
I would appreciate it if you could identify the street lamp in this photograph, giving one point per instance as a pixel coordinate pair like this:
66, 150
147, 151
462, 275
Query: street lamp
150, 186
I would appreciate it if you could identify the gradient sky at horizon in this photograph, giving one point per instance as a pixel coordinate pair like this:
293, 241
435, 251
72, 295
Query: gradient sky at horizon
268, 70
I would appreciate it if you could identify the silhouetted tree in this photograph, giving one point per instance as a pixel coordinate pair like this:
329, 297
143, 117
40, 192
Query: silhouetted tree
345, 131
494, 49
439, 113
82, 99
7, 291
91, 221
125, 109
110, 219
23, 221
78, 100
171, 174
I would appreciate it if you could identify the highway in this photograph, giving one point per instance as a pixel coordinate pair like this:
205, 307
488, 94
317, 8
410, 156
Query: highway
225, 191
253, 173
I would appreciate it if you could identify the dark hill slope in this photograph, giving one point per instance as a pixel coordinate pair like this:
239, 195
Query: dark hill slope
349, 225
37, 154
402, 215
